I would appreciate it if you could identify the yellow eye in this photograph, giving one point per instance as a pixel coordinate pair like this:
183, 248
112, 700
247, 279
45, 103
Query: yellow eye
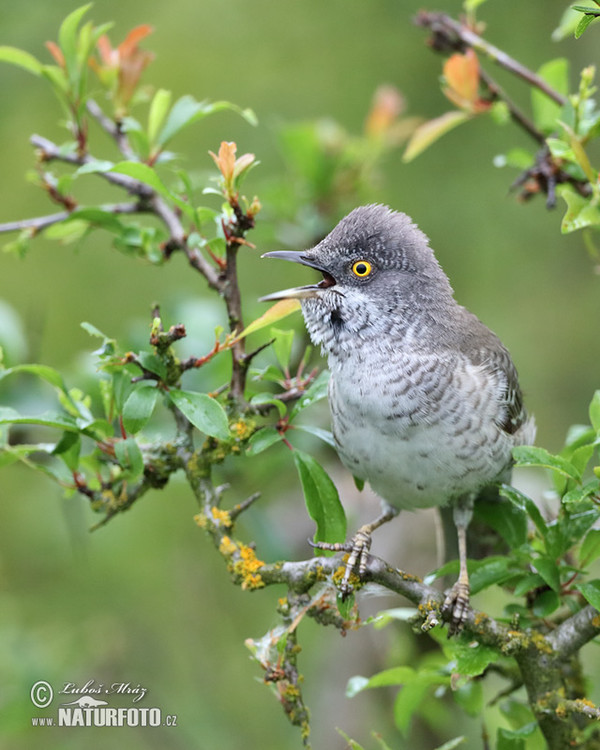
361, 268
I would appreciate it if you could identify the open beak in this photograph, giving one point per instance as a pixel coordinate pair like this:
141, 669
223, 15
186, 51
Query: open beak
299, 292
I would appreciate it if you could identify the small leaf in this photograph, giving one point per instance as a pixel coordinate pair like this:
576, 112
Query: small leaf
492, 570
585, 21
461, 73
279, 310
472, 658
322, 500
20, 58
470, 697
590, 547
67, 36
68, 448
548, 569
261, 440
325, 435
453, 743
138, 408
48, 419
590, 592
282, 346
529, 455
202, 411
316, 392
408, 701
142, 173
545, 110
129, 456
581, 212
432, 131
595, 411
158, 111
268, 398
153, 363
545, 603
527, 504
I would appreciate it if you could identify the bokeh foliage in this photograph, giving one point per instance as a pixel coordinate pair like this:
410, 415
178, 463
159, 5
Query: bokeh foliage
329, 171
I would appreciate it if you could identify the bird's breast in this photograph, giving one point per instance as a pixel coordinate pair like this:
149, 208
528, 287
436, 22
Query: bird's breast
420, 428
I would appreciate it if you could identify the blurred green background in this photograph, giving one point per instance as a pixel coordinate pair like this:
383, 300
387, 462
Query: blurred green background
146, 600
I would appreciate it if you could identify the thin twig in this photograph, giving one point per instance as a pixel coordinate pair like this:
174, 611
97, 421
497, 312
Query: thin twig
39, 223
113, 129
450, 34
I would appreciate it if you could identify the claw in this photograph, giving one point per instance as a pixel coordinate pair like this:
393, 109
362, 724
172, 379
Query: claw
456, 607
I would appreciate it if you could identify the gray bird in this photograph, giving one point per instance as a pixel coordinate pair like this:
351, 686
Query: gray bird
424, 399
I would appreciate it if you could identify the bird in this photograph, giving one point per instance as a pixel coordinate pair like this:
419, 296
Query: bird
424, 399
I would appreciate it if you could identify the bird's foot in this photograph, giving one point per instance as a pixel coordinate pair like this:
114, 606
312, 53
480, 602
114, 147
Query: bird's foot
358, 547
456, 607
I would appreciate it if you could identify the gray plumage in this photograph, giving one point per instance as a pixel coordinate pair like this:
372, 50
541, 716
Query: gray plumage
425, 400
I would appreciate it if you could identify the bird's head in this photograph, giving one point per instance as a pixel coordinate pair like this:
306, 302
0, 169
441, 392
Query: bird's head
375, 264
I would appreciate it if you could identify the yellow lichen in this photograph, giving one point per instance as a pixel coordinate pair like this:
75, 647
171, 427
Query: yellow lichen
227, 547
242, 430
596, 621
247, 566
201, 520
221, 517
541, 643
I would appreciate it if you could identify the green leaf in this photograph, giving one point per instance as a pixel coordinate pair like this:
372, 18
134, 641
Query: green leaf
203, 412
581, 212
393, 676
153, 363
325, 435
142, 173
97, 217
282, 346
546, 603
268, 398
590, 592
453, 743
69, 448
567, 25
408, 701
20, 58
67, 38
528, 583
472, 658
48, 419
595, 411
187, 110
93, 167
158, 111
508, 519
528, 455
590, 547
322, 500
130, 457
432, 131
138, 408
546, 111
261, 440
492, 570
527, 504
548, 569
352, 744
470, 697
279, 310
316, 392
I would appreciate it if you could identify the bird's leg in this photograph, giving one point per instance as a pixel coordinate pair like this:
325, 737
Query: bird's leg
456, 604
358, 547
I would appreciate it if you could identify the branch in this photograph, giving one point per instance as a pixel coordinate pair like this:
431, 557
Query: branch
177, 236
449, 34
40, 223
51, 151
113, 129
575, 632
